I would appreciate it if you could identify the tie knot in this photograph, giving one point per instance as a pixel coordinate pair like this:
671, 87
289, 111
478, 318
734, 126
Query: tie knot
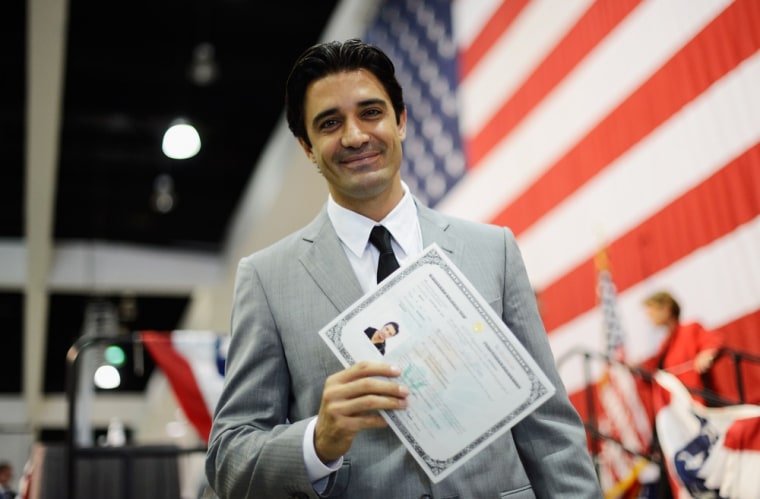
381, 239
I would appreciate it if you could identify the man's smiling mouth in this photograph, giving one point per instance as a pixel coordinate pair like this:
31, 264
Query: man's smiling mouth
359, 159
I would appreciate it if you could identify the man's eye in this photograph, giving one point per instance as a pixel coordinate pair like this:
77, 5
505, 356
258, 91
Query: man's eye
327, 124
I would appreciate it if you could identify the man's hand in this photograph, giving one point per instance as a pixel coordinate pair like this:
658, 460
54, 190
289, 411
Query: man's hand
350, 400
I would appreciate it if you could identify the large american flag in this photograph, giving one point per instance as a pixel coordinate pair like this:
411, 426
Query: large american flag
628, 124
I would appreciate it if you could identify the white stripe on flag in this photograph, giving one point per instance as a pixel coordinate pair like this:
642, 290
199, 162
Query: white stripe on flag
520, 49
469, 17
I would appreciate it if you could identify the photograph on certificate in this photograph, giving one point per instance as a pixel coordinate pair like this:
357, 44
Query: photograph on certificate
470, 379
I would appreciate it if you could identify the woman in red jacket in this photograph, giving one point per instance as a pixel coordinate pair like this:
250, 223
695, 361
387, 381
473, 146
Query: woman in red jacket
689, 350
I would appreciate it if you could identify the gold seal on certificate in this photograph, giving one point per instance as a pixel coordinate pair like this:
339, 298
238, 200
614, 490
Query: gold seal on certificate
470, 379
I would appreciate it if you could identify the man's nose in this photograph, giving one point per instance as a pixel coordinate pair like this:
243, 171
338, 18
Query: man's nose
353, 134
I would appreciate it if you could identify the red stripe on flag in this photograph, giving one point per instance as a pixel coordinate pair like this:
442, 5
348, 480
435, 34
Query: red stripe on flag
744, 334
741, 334
601, 18
743, 434
180, 375
700, 63
723, 202
499, 22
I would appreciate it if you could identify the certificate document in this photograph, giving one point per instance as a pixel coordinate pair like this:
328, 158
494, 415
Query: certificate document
470, 379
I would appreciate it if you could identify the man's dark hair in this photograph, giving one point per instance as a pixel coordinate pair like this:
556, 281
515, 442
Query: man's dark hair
395, 326
333, 57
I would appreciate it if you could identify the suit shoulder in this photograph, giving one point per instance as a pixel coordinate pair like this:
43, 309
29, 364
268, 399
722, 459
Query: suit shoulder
283, 248
470, 228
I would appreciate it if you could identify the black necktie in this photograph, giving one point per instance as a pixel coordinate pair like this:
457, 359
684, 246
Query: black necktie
381, 239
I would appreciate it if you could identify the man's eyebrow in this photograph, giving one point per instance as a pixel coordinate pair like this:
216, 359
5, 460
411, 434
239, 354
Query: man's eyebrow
362, 104
320, 116
373, 102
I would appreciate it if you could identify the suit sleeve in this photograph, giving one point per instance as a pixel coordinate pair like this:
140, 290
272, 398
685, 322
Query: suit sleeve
551, 441
253, 451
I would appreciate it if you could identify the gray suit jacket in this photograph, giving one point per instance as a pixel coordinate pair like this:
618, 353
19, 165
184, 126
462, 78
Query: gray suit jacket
277, 366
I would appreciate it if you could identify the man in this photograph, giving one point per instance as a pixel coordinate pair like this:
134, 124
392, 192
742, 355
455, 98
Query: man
379, 336
6, 476
346, 109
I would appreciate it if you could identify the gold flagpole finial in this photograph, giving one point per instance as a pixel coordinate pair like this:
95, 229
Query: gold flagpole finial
601, 260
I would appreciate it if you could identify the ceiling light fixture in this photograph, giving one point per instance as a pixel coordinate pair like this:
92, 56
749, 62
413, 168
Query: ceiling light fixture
181, 140
107, 377
164, 197
203, 69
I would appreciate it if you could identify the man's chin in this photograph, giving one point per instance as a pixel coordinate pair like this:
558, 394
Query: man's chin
372, 184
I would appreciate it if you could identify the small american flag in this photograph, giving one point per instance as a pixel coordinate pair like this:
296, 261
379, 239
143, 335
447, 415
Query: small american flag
623, 415
613, 330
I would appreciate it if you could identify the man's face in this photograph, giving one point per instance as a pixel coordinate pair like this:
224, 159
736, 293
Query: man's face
387, 331
355, 140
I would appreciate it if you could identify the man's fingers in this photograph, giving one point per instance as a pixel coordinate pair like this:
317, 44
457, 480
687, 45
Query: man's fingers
365, 369
362, 380
350, 401
357, 398
366, 403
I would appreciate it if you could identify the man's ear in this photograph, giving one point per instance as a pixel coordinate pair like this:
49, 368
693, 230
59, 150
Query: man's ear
307, 149
402, 125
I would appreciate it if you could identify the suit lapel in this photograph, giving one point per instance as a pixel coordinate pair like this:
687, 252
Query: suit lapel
325, 261
434, 227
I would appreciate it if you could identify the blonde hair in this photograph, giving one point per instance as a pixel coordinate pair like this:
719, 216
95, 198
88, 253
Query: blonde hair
664, 299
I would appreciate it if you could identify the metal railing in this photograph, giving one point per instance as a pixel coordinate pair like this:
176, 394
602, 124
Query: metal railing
739, 359
127, 454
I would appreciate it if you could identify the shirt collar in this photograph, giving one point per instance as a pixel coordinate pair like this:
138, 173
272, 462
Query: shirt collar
353, 229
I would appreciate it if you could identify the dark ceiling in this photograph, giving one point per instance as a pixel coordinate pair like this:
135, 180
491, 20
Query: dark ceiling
128, 76
128, 68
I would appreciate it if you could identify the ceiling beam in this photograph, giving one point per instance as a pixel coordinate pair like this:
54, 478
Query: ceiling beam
46, 46
100, 267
